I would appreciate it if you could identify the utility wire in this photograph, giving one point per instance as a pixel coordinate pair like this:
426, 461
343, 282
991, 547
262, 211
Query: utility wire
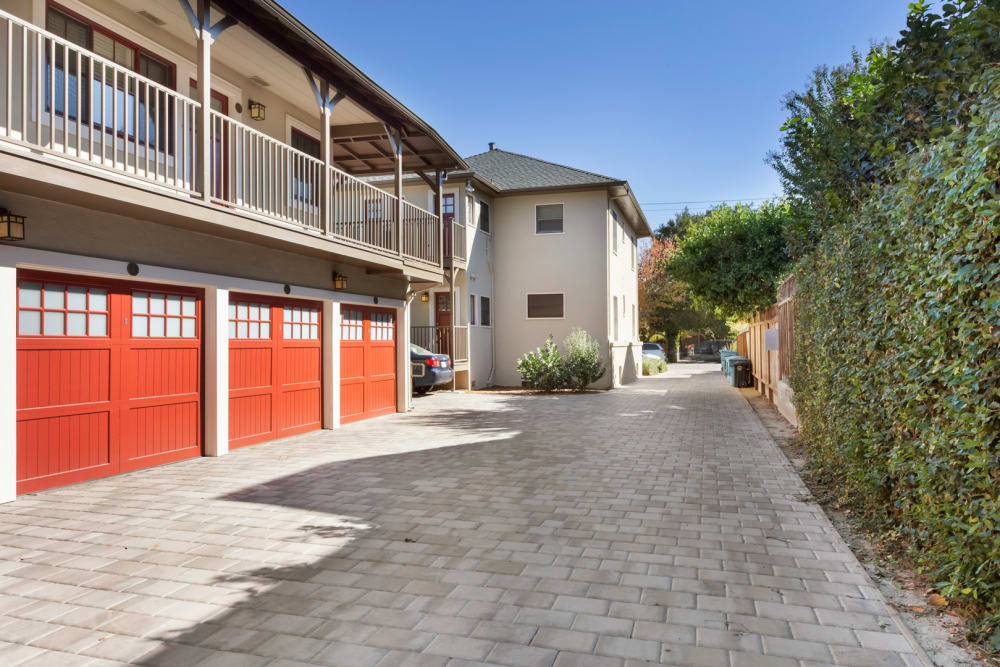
704, 201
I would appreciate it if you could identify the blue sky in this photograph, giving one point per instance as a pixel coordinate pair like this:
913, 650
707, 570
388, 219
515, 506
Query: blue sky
683, 99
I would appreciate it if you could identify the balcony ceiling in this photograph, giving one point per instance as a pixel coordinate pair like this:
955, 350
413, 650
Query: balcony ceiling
271, 44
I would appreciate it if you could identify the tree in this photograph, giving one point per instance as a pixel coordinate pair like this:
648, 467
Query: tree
665, 307
733, 260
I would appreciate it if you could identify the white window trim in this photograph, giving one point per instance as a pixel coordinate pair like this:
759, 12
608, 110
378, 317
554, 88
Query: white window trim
291, 122
614, 231
490, 325
534, 223
490, 206
526, 294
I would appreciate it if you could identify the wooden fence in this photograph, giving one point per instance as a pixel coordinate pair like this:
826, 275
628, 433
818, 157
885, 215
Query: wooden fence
769, 366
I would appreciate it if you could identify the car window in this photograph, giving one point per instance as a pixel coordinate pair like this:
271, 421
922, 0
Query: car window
416, 349
650, 346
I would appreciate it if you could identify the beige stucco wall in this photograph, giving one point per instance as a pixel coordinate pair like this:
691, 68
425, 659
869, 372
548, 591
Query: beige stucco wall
71, 229
623, 283
574, 263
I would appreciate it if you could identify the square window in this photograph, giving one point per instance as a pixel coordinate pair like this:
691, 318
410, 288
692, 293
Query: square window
173, 304
549, 219
76, 324
545, 306
232, 311
29, 323
157, 327
54, 296
98, 324
232, 329
140, 302
484, 216
243, 311
188, 309
30, 295
265, 330
254, 312
254, 330
173, 327
242, 330
76, 298
157, 304
53, 323
287, 331
98, 299
485, 314
140, 326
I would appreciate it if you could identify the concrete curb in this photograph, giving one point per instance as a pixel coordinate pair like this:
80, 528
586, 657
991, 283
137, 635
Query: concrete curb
904, 630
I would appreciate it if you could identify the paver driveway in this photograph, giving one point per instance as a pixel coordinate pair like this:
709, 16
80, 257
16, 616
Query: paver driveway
657, 523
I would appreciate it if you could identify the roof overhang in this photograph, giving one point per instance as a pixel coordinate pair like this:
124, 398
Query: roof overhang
622, 195
363, 149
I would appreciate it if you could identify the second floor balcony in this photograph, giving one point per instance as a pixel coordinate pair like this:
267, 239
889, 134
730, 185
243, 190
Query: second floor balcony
91, 113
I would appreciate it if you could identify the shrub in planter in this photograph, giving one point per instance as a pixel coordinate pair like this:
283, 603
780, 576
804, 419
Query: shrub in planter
544, 368
653, 366
583, 360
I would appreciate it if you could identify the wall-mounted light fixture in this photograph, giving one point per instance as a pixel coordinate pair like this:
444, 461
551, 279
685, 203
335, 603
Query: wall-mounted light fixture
469, 188
11, 226
425, 297
257, 110
339, 281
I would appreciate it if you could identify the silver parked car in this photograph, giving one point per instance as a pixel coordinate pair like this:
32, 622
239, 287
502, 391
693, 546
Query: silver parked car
654, 350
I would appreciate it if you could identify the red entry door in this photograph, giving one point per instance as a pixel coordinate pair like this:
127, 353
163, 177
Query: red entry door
367, 363
275, 368
442, 317
109, 377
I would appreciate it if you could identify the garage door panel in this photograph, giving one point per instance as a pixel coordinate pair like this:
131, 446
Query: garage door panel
158, 372
161, 429
301, 364
62, 444
352, 362
352, 400
42, 376
301, 408
381, 361
250, 416
381, 396
249, 367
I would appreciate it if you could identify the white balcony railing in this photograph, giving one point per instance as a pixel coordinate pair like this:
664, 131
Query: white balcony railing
62, 100
437, 339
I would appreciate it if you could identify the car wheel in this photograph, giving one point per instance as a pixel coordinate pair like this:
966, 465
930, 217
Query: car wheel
423, 390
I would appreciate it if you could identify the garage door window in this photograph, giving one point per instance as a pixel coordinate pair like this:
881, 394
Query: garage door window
249, 321
352, 325
381, 326
301, 323
162, 315
52, 309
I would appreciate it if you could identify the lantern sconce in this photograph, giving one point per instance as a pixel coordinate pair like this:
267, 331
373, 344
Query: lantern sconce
11, 226
425, 297
257, 110
339, 281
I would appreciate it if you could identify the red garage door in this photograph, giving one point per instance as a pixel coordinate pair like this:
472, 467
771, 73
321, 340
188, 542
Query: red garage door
275, 368
367, 363
108, 377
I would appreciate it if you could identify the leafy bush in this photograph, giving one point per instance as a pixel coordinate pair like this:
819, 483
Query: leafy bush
583, 359
897, 369
653, 366
548, 370
544, 368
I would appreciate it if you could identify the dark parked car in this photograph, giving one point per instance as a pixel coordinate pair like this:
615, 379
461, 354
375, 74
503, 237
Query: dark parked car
429, 369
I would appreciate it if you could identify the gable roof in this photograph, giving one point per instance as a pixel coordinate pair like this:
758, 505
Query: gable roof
513, 171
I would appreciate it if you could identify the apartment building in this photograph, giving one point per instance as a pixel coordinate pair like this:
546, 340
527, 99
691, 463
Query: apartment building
192, 257
533, 249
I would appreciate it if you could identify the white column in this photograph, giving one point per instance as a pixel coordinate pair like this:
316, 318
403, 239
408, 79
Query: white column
204, 119
8, 389
404, 383
216, 321
331, 364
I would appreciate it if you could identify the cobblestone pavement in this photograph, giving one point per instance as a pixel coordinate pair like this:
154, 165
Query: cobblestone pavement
653, 524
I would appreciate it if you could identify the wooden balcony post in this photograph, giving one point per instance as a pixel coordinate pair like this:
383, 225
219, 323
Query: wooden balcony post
396, 139
206, 34
204, 124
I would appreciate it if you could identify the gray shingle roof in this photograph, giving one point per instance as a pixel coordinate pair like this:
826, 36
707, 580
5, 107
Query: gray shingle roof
513, 171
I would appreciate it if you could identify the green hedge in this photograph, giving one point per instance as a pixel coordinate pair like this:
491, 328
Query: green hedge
897, 374
653, 366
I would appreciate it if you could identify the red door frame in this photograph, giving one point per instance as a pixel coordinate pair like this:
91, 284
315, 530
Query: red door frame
367, 345
443, 336
122, 379
276, 390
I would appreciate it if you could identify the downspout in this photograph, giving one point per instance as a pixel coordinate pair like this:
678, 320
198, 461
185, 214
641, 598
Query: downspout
407, 300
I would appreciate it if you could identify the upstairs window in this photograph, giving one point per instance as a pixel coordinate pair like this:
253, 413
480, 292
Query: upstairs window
545, 306
484, 216
485, 314
614, 232
472, 309
549, 219
303, 142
